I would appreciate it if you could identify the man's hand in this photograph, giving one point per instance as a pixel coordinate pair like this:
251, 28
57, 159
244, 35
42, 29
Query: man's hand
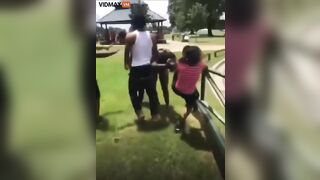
126, 67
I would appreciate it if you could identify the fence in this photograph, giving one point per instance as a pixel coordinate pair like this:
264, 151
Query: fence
213, 136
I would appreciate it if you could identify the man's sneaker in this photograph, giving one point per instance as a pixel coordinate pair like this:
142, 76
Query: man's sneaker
140, 118
155, 117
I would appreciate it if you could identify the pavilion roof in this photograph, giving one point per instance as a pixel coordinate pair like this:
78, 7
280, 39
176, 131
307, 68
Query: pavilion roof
121, 16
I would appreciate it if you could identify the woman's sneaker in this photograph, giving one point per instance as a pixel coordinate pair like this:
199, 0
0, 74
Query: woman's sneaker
195, 108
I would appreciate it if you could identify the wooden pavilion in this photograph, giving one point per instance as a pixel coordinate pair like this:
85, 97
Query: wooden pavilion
121, 16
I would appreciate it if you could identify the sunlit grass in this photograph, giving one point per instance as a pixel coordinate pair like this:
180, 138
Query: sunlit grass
200, 40
126, 152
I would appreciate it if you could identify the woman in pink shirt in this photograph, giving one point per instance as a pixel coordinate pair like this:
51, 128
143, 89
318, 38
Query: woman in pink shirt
187, 74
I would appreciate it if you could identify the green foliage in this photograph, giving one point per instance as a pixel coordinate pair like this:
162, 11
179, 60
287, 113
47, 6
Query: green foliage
196, 17
195, 14
192, 19
139, 10
180, 21
215, 8
171, 11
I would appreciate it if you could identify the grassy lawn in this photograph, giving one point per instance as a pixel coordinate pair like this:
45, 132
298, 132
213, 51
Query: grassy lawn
200, 40
126, 151
208, 40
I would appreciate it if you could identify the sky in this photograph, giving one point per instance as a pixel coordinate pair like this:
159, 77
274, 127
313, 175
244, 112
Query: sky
158, 6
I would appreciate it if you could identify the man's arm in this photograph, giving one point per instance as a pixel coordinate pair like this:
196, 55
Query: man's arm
130, 38
105, 54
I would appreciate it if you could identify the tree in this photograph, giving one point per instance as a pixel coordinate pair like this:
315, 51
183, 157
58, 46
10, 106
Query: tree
139, 10
181, 12
197, 17
215, 8
187, 16
172, 9
177, 10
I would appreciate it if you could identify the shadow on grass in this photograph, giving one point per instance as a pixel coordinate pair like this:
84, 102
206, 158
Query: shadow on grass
196, 140
150, 125
112, 113
103, 124
167, 116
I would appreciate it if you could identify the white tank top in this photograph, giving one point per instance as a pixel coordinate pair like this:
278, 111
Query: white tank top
142, 49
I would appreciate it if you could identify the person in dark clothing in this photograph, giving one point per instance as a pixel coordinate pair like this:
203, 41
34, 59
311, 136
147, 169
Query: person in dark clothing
165, 62
165, 57
84, 25
140, 52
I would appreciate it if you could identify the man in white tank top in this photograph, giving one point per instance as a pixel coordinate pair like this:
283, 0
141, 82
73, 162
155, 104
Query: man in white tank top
140, 52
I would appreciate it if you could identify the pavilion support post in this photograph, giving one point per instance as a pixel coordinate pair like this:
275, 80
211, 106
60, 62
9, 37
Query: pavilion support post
107, 33
161, 26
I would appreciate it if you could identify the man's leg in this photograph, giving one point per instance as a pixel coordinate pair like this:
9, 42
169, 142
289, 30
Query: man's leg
136, 96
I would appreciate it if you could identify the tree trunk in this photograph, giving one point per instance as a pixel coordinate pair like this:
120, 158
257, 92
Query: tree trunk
210, 26
192, 31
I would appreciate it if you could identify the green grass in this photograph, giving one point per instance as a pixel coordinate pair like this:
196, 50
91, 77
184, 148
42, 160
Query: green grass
125, 151
208, 40
201, 40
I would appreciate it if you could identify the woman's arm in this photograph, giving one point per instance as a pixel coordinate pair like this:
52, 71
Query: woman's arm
158, 66
174, 79
171, 64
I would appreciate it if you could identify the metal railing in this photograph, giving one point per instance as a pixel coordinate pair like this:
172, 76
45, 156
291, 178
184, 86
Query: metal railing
213, 136
207, 77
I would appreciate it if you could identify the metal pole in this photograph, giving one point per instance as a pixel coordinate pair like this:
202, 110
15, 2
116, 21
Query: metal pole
203, 85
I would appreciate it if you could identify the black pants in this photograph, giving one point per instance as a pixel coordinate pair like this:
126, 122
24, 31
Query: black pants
190, 99
164, 81
142, 79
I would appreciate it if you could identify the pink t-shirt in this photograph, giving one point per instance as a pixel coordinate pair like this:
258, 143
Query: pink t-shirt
188, 77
